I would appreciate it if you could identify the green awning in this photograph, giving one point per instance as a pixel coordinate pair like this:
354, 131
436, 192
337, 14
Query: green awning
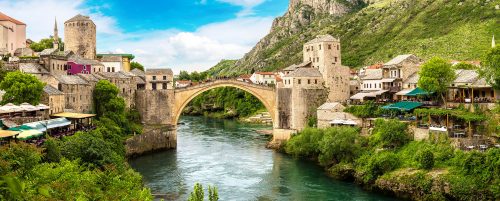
418, 92
403, 106
20, 128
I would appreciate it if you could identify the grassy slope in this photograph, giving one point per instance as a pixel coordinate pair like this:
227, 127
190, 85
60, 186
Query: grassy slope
453, 29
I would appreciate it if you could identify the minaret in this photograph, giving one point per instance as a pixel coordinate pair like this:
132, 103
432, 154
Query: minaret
493, 45
56, 36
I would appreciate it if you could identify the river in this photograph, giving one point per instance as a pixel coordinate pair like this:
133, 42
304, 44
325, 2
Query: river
233, 157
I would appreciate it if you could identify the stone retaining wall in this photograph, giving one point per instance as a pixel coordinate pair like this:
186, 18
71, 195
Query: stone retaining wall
155, 138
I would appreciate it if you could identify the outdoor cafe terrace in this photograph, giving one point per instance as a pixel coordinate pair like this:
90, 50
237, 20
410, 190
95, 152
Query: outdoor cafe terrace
64, 124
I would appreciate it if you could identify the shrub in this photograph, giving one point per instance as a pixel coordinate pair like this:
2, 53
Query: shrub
339, 144
376, 164
306, 143
19, 157
52, 151
425, 158
389, 134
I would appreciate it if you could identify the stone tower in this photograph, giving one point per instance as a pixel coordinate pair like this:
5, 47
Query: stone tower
56, 36
324, 54
80, 36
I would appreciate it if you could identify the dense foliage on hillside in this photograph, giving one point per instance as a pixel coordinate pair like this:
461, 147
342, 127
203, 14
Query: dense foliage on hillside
390, 161
86, 166
451, 29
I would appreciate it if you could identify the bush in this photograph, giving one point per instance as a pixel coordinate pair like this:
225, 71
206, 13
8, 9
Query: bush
390, 134
339, 144
425, 159
52, 151
19, 158
306, 143
376, 164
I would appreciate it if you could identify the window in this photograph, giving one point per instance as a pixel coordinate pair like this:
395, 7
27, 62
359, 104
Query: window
380, 85
329, 46
312, 48
308, 80
319, 47
113, 69
298, 81
74, 99
317, 59
164, 86
335, 59
164, 77
154, 77
315, 81
123, 90
153, 85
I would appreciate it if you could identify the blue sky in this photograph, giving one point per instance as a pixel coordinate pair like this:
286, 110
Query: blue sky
179, 34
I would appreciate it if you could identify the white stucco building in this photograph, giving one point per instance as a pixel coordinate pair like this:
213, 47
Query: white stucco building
12, 34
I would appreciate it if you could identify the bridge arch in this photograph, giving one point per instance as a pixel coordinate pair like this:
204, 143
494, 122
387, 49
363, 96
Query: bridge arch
265, 94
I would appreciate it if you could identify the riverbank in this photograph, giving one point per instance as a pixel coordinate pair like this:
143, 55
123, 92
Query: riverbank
389, 161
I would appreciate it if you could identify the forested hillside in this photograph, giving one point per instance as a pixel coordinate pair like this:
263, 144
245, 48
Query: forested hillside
374, 31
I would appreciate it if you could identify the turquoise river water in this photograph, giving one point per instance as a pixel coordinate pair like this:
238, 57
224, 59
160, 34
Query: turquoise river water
233, 157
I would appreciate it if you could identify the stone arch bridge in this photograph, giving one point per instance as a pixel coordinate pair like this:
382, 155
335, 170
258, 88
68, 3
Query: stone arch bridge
182, 96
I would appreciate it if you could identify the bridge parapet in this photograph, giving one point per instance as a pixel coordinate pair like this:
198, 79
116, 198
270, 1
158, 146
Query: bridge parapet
225, 81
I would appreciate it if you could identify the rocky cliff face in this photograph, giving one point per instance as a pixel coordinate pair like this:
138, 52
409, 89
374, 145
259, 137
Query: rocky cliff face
299, 15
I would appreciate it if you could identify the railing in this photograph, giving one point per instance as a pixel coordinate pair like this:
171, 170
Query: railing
223, 80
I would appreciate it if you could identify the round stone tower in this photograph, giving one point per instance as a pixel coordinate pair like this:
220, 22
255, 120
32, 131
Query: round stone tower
80, 36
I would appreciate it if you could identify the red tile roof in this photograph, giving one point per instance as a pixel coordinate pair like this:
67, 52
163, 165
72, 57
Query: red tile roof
4, 17
184, 81
376, 66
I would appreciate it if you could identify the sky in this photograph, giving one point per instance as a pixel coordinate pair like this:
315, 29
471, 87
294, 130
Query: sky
191, 35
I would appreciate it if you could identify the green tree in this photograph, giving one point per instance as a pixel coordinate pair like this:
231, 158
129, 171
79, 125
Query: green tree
105, 98
436, 75
389, 133
425, 158
491, 67
464, 66
184, 75
197, 194
20, 88
45, 43
134, 65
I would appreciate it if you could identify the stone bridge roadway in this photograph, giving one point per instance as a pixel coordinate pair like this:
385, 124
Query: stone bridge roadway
266, 94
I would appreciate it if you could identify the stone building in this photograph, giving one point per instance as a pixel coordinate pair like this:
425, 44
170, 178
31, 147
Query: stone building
12, 34
80, 36
116, 62
77, 91
158, 79
329, 112
54, 99
301, 93
398, 69
324, 54
55, 61
124, 83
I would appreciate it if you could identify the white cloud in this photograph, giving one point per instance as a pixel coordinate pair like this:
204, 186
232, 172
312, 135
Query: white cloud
194, 51
198, 50
39, 16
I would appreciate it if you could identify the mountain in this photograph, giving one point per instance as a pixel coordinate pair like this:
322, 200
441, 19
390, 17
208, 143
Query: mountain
374, 31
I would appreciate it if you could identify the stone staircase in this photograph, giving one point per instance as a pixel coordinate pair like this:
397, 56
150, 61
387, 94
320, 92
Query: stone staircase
262, 118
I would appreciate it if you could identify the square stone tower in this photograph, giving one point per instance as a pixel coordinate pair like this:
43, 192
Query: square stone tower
324, 54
